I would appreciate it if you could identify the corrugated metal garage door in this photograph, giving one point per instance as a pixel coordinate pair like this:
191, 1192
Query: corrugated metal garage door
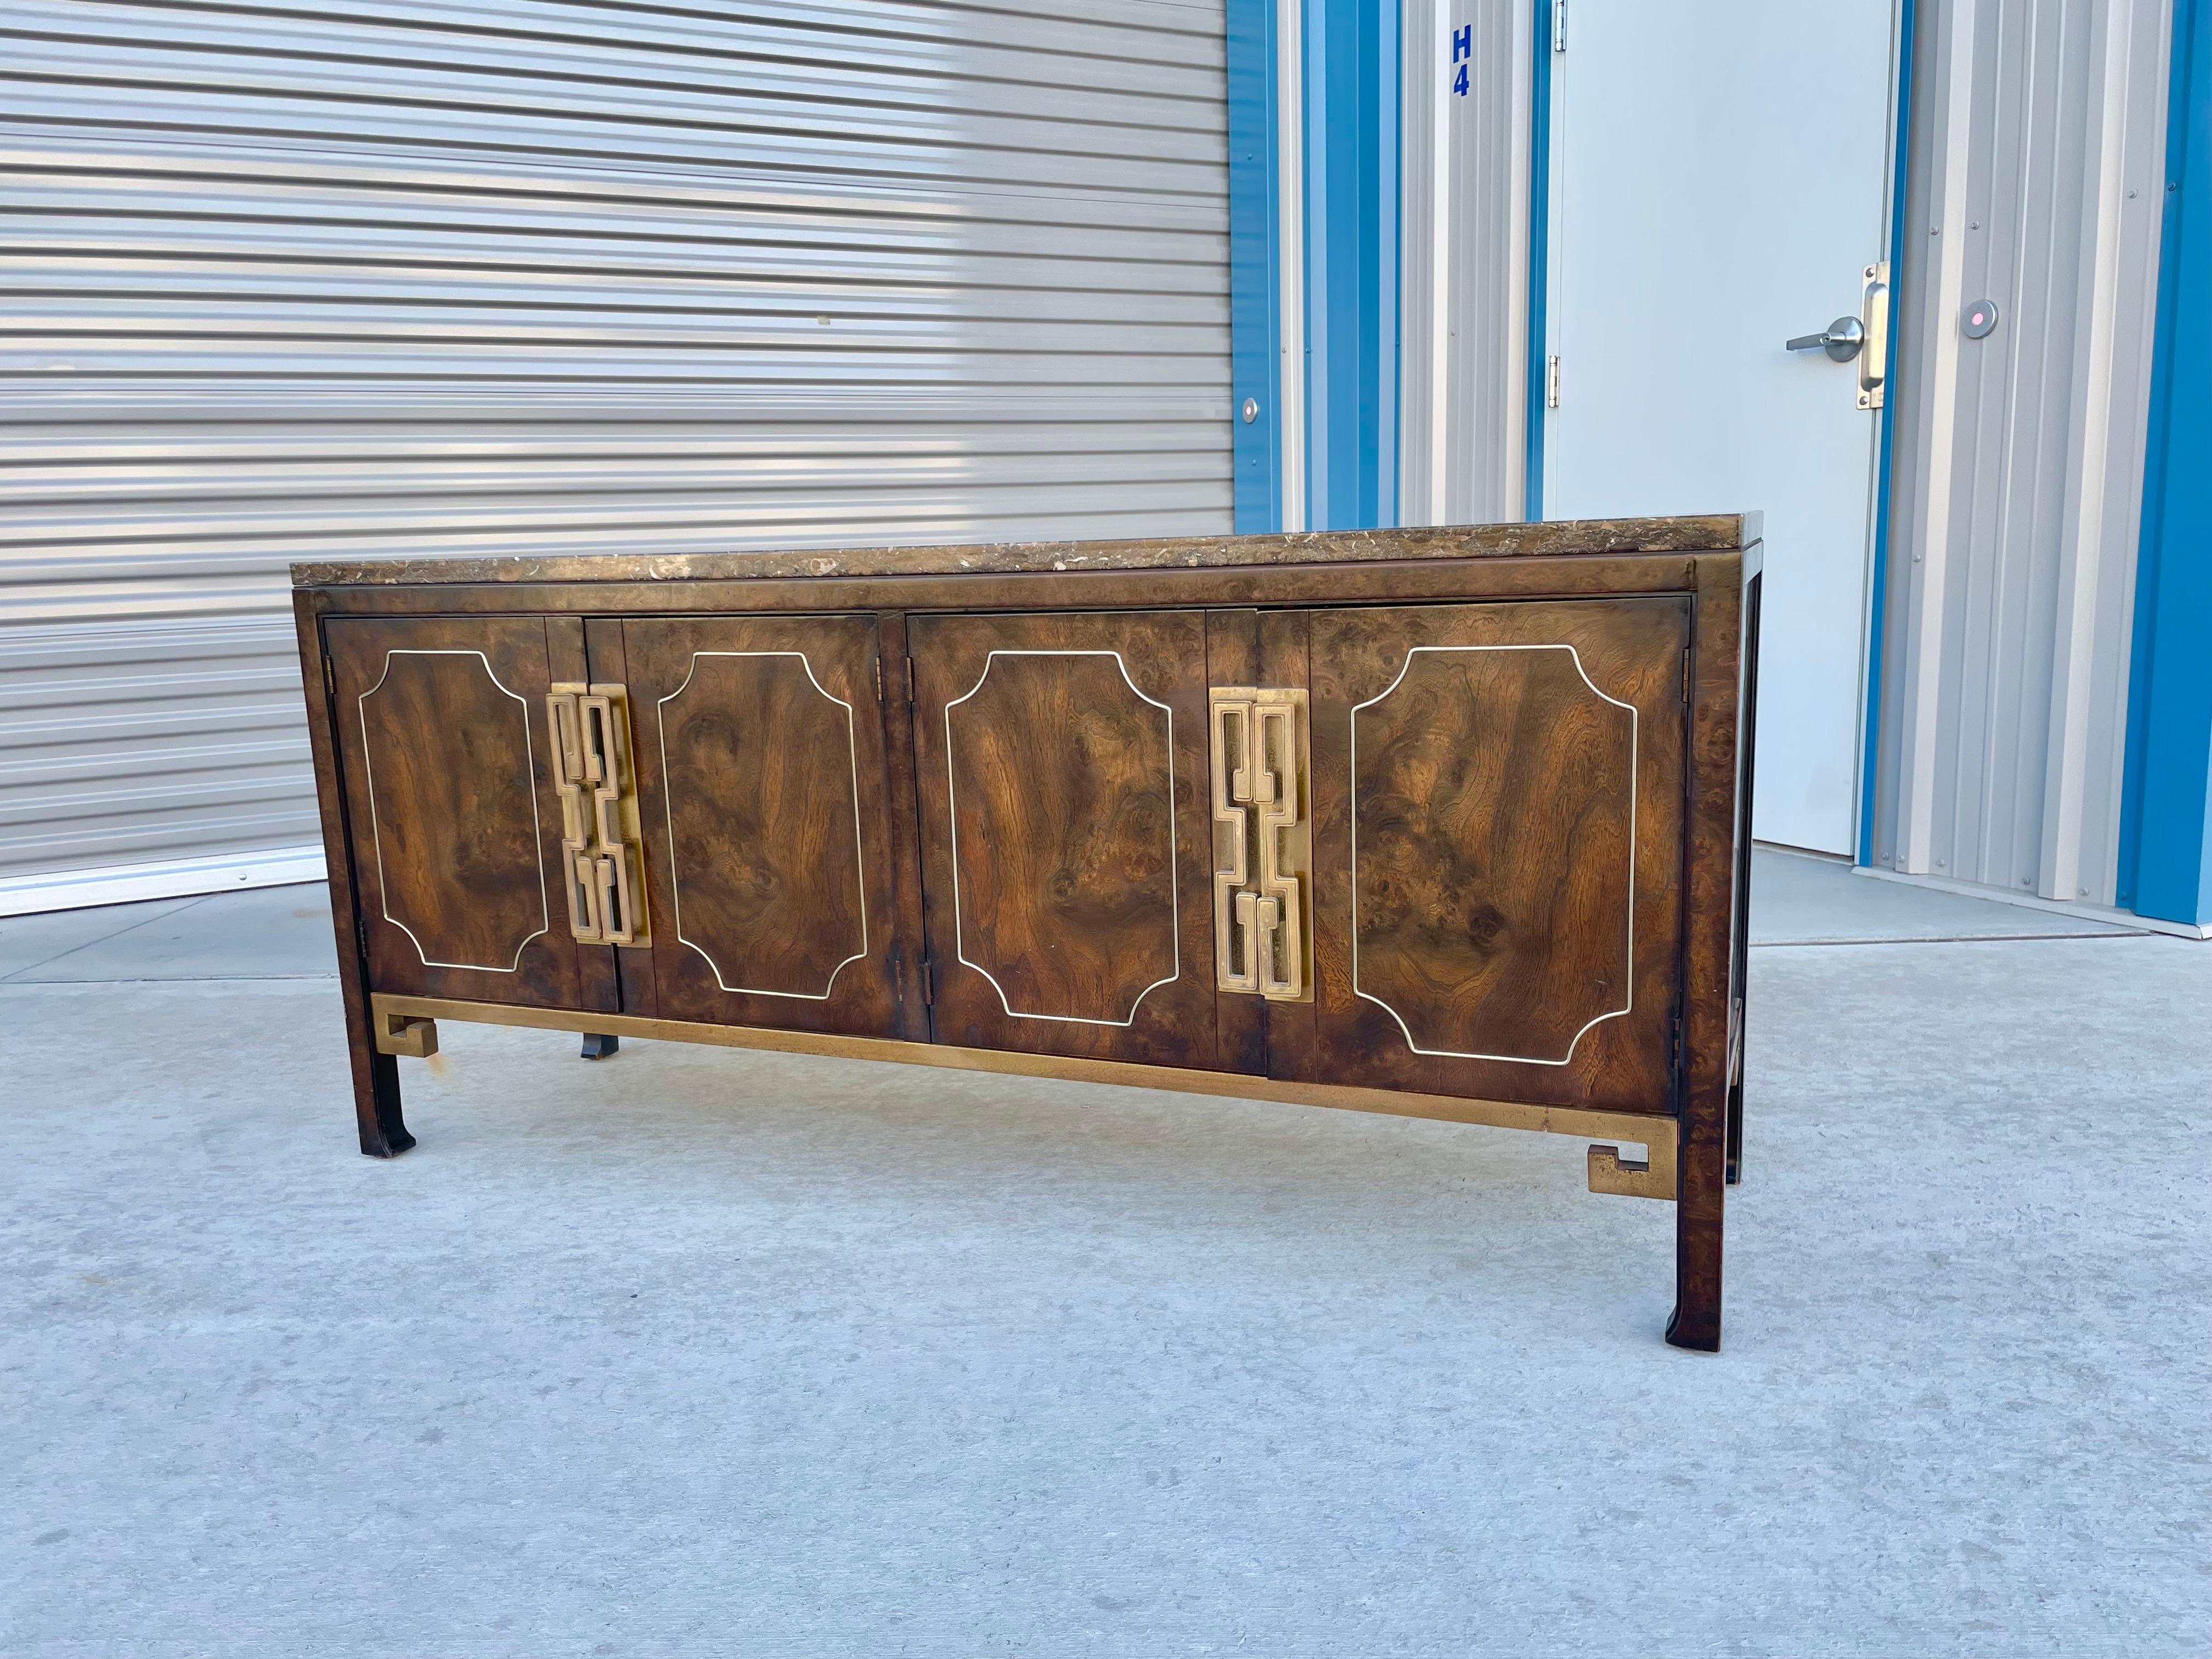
284, 282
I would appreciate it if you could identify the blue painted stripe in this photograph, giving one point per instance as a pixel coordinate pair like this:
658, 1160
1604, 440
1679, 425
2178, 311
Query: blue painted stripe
1351, 286
2165, 813
1540, 256
1389, 195
1878, 599
1254, 277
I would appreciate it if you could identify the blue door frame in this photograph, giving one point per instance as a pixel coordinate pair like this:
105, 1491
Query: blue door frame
1350, 166
1256, 331
1878, 578
2165, 813
1540, 258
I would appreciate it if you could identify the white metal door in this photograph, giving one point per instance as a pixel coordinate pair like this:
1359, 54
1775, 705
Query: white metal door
1719, 184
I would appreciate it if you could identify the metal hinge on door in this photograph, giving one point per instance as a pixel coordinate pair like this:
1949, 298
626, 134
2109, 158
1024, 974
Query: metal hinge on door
1262, 905
1558, 24
330, 677
1551, 381
928, 983
600, 840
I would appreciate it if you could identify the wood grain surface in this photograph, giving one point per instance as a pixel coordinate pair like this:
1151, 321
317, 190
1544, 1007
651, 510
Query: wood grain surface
764, 801
1716, 761
1493, 794
456, 824
1482, 798
1066, 840
380, 1124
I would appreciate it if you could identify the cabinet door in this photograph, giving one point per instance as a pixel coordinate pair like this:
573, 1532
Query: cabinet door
453, 808
766, 808
1498, 851
1062, 772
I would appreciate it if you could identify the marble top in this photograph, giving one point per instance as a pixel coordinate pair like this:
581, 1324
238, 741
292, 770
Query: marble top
1714, 533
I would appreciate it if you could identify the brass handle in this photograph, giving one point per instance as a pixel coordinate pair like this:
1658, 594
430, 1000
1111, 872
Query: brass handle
1258, 740
600, 838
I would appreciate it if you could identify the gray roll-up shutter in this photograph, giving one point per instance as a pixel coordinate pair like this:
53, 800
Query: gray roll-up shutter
287, 282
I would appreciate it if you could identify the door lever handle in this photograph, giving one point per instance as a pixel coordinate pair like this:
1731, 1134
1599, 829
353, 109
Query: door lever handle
1845, 336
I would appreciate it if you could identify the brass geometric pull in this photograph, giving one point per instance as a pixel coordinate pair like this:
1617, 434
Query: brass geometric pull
600, 838
1262, 942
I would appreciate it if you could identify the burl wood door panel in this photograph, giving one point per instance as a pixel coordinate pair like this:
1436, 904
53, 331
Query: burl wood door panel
767, 813
1498, 851
1062, 772
453, 809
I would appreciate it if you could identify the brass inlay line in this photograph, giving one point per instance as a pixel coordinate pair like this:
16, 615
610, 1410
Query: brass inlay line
1628, 918
376, 826
668, 801
952, 814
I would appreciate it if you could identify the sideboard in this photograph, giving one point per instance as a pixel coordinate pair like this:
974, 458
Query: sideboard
1446, 822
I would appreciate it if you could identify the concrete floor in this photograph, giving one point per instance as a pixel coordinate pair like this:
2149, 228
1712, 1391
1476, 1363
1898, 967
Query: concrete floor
703, 1352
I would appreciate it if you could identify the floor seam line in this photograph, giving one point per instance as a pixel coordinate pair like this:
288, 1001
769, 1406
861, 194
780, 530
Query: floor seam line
182, 979
1950, 939
127, 928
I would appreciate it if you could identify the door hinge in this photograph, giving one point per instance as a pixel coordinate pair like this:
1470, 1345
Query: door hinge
1551, 381
909, 681
879, 677
1558, 24
1674, 1047
1686, 673
928, 983
330, 677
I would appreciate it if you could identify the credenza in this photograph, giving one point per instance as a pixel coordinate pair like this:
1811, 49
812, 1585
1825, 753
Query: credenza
1448, 823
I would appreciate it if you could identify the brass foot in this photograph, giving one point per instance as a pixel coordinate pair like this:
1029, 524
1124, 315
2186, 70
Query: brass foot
1650, 1176
404, 1034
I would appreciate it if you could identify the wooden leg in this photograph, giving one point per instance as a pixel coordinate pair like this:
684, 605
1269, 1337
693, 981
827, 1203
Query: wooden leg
375, 1074
1717, 917
375, 1092
1702, 1178
598, 1045
1735, 1134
